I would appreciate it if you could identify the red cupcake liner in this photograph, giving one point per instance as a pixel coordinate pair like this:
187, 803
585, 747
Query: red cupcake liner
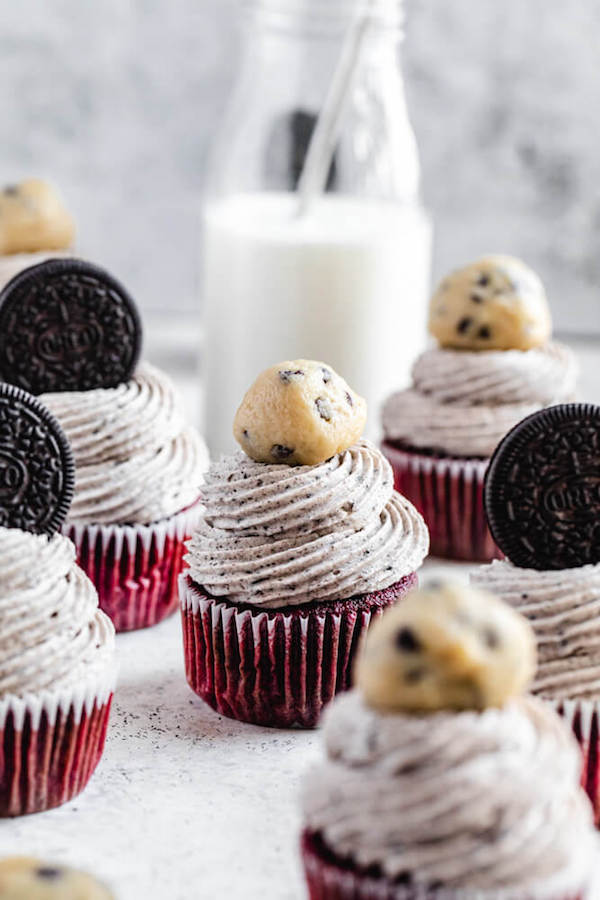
331, 879
448, 492
135, 567
275, 667
49, 748
583, 716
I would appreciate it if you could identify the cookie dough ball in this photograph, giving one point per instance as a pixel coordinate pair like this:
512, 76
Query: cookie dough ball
23, 878
33, 218
446, 647
299, 412
496, 303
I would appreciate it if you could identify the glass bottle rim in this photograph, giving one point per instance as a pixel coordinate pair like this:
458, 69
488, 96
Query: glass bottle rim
324, 15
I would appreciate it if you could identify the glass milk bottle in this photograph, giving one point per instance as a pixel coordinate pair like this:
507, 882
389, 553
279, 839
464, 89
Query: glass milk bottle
346, 279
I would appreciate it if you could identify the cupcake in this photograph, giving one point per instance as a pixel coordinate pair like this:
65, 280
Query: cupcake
57, 655
543, 507
34, 226
25, 878
71, 333
301, 543
441, 780
494, 364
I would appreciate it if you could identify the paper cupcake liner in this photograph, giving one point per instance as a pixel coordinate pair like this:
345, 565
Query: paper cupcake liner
448, 492
276, 667
583, 716
331, 879
50, 745
135, 567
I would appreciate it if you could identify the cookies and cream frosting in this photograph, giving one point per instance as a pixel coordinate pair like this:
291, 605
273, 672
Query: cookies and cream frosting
462, 403
136, 460
275, 535
471, 801
53, 635
563, 607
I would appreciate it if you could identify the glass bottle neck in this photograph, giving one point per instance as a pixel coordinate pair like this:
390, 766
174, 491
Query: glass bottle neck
324, 17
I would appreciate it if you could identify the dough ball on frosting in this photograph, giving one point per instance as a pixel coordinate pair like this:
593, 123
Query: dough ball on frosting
33, 218
496, 303
23, 878
447, 646
299, 412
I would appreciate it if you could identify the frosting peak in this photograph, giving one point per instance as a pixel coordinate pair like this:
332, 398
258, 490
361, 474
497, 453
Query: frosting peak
273, 536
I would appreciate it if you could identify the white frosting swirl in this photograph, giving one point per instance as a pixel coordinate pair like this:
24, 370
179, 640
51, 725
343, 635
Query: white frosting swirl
53, 636
463, 403
275, 535
474, 801
136, 460
563, 607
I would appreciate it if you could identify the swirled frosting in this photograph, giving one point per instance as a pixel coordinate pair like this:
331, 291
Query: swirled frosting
275, 535
136, 461
474, 801
463, 403
52, 634
564, 609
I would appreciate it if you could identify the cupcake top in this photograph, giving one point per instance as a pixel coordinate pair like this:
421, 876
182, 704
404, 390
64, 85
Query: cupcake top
495, 363
53, 635
281, 534
471, 788
136, 459
25, 878
33, 218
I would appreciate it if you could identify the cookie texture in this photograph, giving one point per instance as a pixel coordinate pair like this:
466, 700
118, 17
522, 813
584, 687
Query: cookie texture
495, 303
33, 218
447, 646
67, 325
542, 489
25, 878
299, 412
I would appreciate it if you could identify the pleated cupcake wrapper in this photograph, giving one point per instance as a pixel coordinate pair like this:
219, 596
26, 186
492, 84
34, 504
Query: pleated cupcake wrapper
327, 880
50, 744
135, 567
448, 492
275, 668
583, 716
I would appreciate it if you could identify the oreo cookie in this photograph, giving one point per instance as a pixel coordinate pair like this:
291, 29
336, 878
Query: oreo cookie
37, 470
67, 325
542, 489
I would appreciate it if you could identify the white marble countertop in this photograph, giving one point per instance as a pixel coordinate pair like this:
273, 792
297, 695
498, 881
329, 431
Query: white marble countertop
186, 804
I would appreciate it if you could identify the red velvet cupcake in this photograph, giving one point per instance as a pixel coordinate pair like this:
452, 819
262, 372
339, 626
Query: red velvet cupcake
495, 364
296, 552
440, 781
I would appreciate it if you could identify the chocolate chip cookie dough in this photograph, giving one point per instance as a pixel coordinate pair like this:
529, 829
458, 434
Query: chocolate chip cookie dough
25, 878
299, 413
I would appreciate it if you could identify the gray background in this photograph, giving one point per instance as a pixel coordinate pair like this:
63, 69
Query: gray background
117, 101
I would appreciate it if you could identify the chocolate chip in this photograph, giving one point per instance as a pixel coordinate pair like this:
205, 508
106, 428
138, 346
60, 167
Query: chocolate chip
484, 332
407, 641
278, 451
475, 298
289, 375
349, 399
48, 873
324, 409
492, 638
483, 280
464, 325
413, 676
245, 434
326, 376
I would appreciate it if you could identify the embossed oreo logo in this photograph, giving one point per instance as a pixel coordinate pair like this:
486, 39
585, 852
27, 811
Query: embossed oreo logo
13, 477
575, 499
57, 343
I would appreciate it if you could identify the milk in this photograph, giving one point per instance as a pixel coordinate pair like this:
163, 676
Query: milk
346, 284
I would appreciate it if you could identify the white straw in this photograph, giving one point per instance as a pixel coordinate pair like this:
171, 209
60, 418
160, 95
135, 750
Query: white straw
320, 152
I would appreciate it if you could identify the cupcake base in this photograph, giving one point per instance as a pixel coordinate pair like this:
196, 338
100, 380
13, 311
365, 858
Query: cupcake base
49, 748
583, 716
448, 492
135, 567
329, 878
275, 667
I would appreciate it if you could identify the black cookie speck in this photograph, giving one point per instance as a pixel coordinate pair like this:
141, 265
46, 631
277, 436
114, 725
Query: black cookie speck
407, 641
49, 873
324, 409
11, 190
37, 471
349, 399
484, 333
288, 375
542, 489
326, 376
67, 325
279, 452
483, 280
475, 298
464, 325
